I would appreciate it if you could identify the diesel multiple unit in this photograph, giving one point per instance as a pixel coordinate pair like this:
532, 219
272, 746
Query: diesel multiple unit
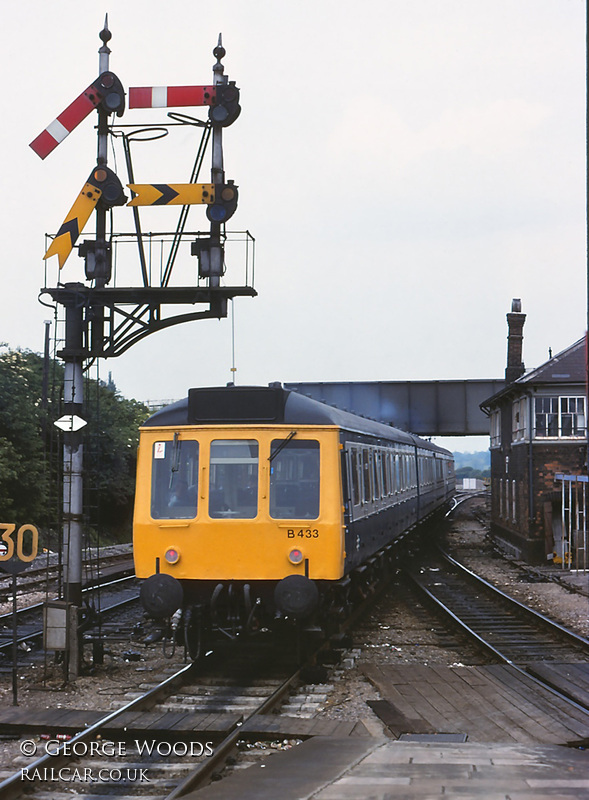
257, 503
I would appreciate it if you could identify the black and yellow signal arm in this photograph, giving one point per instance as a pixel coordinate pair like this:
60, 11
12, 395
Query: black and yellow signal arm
220, 198
171, 194
102, 183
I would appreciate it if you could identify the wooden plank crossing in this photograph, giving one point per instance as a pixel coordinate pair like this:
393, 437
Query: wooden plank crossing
175, 723
570, 679
294, 727
72, 721
397, 722
490, 704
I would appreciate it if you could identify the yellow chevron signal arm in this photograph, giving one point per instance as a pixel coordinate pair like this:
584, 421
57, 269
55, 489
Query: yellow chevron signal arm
102, 182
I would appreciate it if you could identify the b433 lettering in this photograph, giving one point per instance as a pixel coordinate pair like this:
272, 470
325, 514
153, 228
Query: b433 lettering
303, 533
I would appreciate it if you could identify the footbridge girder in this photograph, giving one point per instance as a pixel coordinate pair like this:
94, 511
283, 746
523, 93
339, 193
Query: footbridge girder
427, 408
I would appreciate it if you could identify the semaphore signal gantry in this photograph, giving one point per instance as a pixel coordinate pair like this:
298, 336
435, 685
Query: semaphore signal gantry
104, 319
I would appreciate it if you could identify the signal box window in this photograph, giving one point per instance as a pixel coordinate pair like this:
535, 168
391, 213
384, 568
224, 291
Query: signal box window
547, 416
560, 416
294, 479
233, 487
174, 479
572, 416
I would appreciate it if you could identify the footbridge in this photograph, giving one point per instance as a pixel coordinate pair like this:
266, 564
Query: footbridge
427, 408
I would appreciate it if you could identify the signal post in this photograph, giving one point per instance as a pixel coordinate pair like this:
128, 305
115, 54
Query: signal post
104, 320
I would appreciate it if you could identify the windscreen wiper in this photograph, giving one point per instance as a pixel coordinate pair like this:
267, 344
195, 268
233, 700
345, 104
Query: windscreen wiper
281, 446
175, 465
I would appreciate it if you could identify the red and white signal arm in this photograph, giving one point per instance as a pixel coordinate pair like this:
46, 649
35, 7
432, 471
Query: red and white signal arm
106, 89
63, 125
169, 96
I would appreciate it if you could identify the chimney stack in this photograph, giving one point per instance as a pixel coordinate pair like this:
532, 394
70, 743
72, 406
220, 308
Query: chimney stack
515, 341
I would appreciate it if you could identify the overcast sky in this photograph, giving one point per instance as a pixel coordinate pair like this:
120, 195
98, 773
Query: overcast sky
406, 168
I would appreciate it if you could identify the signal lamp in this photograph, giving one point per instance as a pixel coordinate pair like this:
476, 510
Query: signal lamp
113, 94
172, 556
295, 556
223, 208
97, 259
226, 108
107, 181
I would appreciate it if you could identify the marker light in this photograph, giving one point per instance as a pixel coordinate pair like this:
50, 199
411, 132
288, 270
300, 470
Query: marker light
172, 556
295, 556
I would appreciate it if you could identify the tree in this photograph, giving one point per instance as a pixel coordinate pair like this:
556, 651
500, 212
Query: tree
24, 477
31, 451
110, 457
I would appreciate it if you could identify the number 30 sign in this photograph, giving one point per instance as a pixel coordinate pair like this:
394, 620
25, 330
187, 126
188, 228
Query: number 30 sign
17, 550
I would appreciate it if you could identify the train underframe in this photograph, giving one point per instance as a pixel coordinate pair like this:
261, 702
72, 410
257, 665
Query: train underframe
207, 611
201, 612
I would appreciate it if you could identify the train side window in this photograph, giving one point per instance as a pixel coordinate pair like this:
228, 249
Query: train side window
174, 479
377, 467
355, 476
294, 479
366, 476
233, 484
386, 474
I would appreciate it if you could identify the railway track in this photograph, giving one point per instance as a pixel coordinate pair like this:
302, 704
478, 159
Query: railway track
179, 749
116, 594
169, 759
506, 628
113, 562
170, 772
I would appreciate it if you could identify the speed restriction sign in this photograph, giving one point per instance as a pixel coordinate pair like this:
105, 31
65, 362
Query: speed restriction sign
17, 548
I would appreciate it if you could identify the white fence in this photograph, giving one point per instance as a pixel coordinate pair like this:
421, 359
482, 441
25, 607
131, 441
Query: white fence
571, 548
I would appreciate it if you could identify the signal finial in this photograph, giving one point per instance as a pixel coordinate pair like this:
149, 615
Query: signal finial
105, 34
104, 51
219, 50
218, 68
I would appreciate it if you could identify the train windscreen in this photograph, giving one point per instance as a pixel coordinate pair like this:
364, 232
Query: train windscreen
174, 478
294, 479
233, 485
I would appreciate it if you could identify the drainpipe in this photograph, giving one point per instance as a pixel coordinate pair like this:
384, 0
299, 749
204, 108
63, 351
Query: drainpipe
530, 464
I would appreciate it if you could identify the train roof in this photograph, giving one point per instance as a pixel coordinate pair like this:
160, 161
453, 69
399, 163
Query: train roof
270, 405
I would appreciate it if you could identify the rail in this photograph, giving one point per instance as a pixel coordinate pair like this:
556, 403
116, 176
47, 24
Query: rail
493, 619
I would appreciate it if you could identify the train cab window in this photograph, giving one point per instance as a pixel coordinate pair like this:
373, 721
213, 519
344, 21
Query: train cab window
174, 479
294, 479
233, 485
